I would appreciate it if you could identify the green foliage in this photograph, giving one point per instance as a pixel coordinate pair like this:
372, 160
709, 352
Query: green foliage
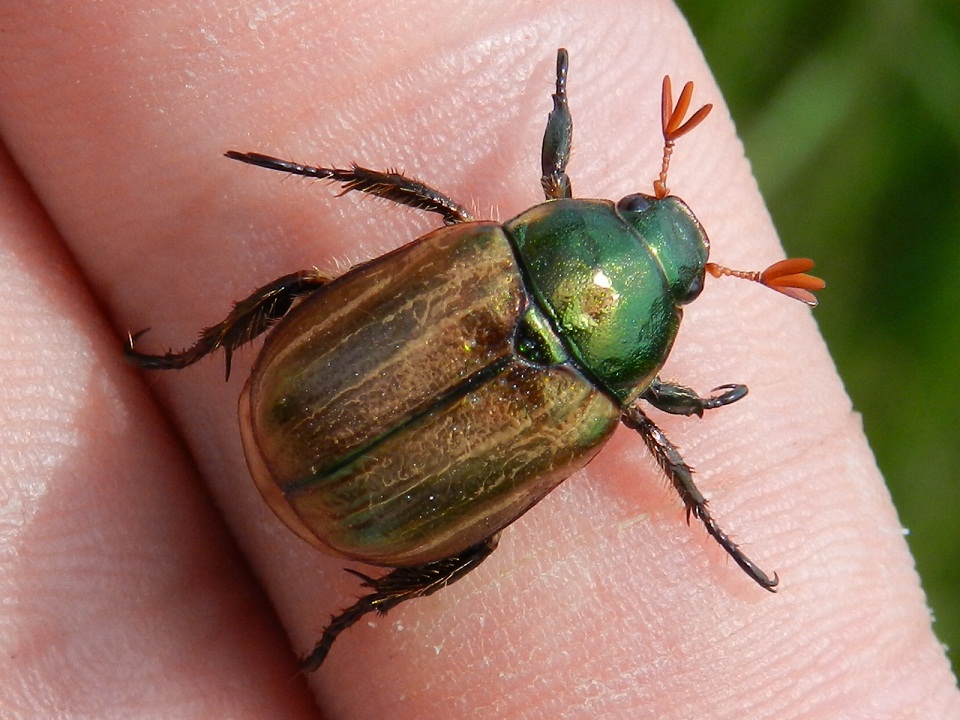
850, 113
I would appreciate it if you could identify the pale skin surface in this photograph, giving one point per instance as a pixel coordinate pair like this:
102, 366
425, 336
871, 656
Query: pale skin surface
122, 596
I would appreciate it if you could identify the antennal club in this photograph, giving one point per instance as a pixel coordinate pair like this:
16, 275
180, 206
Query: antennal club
671, 119
786, 276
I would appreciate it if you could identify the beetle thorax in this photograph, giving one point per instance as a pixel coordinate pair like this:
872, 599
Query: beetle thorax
604, 288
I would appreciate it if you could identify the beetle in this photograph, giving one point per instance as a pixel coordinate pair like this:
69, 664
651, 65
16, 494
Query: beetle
405, 413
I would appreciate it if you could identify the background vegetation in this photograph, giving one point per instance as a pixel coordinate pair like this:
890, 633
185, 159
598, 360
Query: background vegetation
850, 113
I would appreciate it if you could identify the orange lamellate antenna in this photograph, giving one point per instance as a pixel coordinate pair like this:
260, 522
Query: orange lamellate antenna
786, 276
674, 127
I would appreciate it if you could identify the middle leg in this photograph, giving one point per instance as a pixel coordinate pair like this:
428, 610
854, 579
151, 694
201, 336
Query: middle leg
391, 185
681, 476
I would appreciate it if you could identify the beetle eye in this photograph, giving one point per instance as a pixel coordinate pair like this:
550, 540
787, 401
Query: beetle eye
635, 203
696, 287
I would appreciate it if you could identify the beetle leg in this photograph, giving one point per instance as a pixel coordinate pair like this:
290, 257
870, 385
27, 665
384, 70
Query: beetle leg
248, 319
681, 475
398, 586
680, 400
557, 138
390, 185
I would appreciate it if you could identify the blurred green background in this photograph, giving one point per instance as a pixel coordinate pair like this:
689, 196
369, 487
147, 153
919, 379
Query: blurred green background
850, 113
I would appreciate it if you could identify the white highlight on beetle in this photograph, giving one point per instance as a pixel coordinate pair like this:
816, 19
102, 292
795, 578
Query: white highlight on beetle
600, 279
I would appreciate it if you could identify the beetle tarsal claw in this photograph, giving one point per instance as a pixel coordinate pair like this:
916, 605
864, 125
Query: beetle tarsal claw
133, 337
365, 580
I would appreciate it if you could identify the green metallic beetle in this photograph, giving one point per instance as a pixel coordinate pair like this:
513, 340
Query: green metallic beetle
406, 412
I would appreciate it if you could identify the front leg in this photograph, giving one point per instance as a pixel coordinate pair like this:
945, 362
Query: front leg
398, 586
248, 319
557, 138
681, 476
680, 400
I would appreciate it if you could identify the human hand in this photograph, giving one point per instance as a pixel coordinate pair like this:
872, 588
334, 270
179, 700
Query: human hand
124, 595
